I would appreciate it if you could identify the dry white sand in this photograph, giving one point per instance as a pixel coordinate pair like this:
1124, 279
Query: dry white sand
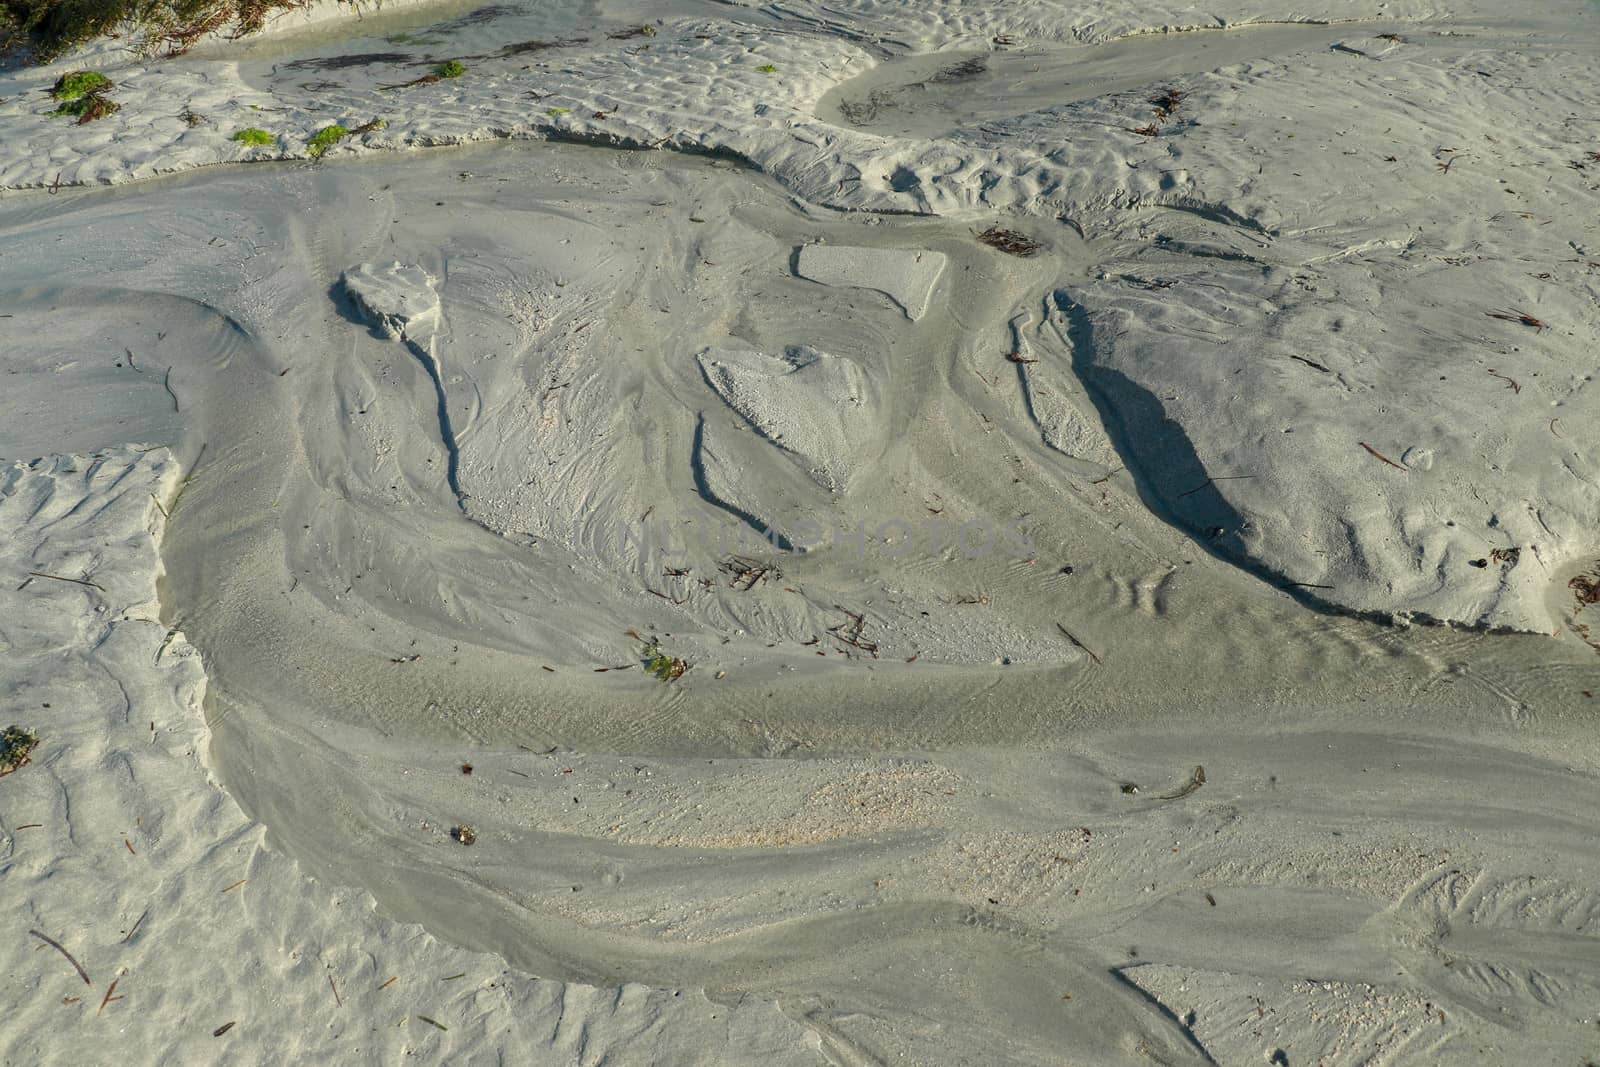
198, 943
974, 558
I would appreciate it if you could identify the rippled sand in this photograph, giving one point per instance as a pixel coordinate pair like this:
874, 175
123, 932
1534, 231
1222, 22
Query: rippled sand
1017, 723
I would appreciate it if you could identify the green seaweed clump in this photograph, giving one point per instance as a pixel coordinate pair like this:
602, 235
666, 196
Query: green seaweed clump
255, 138
325, 139
452, 69
88, 108
667, 668
767, 68
79, 84
16, 748
81, 94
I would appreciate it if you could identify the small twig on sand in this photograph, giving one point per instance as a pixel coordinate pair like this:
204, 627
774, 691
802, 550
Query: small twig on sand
53, 943
166, 383
747, 573
236, 885
194, 468
1511, 383
1197, 778
433, 1022
59, 578
390, 982
1386, 459
224, 1028
1522, 318
426, 79
1210, 481
1312, 363
1085, 649
108, 997
336, 998
138, 923
849, 633
1107, 477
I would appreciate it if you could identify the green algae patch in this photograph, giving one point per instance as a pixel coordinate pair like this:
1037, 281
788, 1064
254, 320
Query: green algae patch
79, 84
16, 749
325, 139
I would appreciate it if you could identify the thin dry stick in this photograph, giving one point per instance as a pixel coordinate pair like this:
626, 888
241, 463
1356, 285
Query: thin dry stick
74, 581
1312, 364
390, 982
336, 998
1522, 317
1383, 457
108, 997
1511, 383
236, 885
1213, 480
1078, 644
136, 925
53, 943
1197, 778
166, 383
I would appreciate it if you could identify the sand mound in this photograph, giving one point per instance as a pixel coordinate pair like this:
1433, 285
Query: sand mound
1055, 397
399, 300
770, 495
814, 406
1436, 467
906, 277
